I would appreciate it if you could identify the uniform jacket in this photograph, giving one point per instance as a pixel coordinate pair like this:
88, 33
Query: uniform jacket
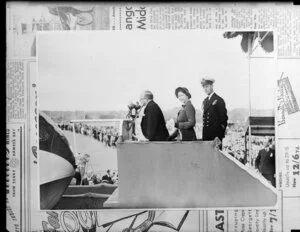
265, 161
214, 118
153, 123
186, 120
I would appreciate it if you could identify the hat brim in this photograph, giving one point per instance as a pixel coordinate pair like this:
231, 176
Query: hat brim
206, 82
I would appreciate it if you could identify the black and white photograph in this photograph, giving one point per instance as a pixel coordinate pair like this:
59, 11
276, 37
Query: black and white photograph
156, 119
152, 117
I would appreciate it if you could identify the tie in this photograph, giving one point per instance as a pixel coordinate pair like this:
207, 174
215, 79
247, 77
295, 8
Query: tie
206, 103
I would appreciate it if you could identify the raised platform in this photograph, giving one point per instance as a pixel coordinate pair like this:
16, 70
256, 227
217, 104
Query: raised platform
85, 196
185, 175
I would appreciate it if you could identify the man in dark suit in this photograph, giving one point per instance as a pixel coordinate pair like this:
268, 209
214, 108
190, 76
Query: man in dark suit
214, 113
265, 162
77, 175
153, 122
107, 177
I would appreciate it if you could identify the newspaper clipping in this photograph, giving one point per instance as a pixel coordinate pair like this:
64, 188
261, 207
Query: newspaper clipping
75, 147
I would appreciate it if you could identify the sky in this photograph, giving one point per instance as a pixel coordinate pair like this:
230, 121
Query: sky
105, 70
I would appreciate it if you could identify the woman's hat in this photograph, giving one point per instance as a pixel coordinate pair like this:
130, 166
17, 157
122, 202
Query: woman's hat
183, 90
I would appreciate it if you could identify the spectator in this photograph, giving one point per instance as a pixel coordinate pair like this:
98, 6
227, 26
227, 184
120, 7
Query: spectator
94, 179
107, 178
105, 134
265, 162
98, 179
272, 144
87, 180
117, 179
77, 176
114, 177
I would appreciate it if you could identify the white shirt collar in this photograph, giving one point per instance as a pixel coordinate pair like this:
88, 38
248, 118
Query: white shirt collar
147, 103
209, 96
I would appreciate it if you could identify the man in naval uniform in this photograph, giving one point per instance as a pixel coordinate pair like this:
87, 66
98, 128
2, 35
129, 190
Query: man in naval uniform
214, 113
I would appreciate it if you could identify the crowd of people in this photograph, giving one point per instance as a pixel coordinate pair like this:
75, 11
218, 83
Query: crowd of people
105, 134
234, 143
215, 127
93, 178
262, 155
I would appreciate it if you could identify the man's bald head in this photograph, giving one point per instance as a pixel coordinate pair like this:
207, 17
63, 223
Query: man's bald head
145, 97
147, 94
89, 173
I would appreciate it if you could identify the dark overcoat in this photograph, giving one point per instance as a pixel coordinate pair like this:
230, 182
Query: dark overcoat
186, 120
153, 123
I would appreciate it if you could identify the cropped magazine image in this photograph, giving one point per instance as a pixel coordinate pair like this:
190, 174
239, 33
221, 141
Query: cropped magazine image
156, 119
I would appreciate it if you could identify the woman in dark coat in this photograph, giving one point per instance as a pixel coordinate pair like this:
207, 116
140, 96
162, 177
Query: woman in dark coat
186, 117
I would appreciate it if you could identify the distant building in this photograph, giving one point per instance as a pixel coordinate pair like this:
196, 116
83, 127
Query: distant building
21, 33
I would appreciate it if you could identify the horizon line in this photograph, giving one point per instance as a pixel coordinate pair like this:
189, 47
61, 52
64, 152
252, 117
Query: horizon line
228, 109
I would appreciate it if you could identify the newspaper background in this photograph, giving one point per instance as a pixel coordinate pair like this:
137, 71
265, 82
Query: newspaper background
22, 109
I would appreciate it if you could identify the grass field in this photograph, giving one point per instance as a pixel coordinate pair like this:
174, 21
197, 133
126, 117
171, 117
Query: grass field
101, 157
